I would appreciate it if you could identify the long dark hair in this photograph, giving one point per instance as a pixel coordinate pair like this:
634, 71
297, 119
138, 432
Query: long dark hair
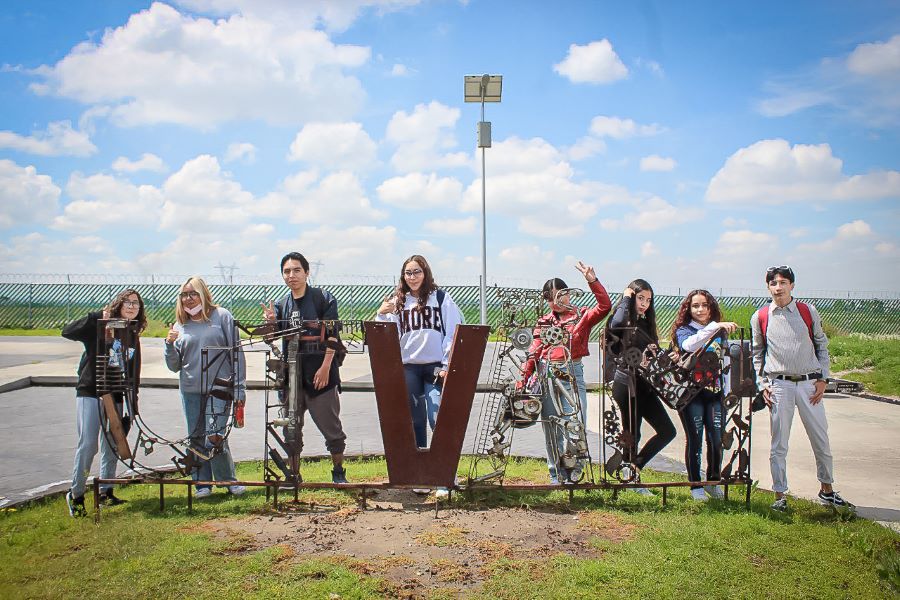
550, 285
638, 285
115, 307
428, 284
684, 313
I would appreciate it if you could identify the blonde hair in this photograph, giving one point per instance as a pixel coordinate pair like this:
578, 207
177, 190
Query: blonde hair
206, 300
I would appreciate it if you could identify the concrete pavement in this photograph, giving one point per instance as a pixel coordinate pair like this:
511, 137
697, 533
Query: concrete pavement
37, 432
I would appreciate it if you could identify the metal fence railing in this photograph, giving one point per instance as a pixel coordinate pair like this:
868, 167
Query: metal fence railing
52, 305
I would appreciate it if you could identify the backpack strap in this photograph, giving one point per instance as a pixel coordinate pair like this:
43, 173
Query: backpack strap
441, 294
805, 314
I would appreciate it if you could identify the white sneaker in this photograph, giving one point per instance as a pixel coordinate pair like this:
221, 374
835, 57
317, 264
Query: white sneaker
699, 494
236, 490
421, 491
715, 491
643, 492
202, 493
441, 493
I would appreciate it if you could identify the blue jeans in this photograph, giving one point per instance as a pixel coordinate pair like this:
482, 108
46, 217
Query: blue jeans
555, 439
424, 398
704, 412
87, 423
202, 422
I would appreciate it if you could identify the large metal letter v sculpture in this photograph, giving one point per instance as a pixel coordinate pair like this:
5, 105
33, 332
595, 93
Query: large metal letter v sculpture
408, 465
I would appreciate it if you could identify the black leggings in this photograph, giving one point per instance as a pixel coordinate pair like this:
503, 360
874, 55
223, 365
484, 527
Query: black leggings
703, 413
649, 407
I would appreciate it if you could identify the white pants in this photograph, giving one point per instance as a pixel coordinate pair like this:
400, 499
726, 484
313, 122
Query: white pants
785, 396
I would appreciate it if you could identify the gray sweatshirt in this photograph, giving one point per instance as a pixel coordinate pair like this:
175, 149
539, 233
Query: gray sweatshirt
184, 357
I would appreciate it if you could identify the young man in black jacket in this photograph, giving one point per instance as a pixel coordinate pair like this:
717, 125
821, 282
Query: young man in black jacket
320, 376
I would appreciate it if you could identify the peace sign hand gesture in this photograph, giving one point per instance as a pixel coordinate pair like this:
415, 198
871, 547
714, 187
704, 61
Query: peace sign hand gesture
587, 271
268, 311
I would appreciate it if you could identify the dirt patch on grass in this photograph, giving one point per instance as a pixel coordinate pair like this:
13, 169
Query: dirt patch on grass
400, 539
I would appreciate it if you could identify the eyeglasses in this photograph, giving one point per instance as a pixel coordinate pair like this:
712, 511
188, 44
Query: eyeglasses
413, 272
189, 295
132, 303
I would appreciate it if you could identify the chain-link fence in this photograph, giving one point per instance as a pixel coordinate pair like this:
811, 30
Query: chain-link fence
51, 305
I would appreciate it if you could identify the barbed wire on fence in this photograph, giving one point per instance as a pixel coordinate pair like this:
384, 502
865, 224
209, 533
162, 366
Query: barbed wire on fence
33, 305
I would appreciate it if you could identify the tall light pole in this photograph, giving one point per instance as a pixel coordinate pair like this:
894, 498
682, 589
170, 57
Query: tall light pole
483, 88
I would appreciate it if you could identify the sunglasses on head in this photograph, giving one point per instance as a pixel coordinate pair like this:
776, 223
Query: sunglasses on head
781, 268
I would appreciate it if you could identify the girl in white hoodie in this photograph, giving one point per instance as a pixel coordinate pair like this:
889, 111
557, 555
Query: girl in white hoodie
426, 318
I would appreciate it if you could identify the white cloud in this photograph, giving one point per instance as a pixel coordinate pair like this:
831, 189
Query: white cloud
362, 249
334, 16
797, 232
732, 222
855, 229
657, 163
539, 226
36, 253
59, 139
787, 101
586, 147
650, 213
876, 59
147, 162
334, 146
774, 172
400, 70
201, 193
648, 248
424, 138
527, 254
25, 196
889, 248
101, 201
240, 151
651, 65
595, 62
451, 226
618, 128
166, 67
744, 250
419, 191
339, 198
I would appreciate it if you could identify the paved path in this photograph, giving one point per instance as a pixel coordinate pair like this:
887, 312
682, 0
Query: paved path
37, 432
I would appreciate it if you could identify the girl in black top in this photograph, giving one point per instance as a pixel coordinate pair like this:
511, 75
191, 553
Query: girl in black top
126, 305
634, 320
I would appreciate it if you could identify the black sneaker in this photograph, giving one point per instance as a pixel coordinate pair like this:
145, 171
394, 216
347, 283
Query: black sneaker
76, 505
339, 475
110, 499
833, 499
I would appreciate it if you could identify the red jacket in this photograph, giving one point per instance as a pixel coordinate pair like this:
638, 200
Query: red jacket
578, 323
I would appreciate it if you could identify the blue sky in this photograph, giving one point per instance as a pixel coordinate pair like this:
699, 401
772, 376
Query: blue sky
689, 144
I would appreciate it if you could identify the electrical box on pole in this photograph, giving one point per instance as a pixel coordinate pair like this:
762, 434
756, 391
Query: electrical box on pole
484, 134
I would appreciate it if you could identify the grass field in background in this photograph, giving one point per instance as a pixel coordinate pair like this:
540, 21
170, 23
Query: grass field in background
685, 549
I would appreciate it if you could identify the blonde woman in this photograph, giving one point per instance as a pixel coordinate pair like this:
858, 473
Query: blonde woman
203, 324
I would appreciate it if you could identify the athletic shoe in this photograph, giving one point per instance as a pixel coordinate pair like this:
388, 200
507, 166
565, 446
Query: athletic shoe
110, 499
76, 505
780, 504
421, 491
236, 490
441, 493
575, 475
202, 492
832, 499
643, 492
715, 491
339, 475
699, 494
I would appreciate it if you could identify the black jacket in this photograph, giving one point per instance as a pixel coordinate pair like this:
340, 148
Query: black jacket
84, 330
315, 304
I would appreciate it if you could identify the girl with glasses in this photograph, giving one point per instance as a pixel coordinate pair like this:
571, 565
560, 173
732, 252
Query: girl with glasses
207, 404
89, 331
426, 318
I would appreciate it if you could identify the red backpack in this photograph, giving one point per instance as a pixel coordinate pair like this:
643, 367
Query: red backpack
802, 307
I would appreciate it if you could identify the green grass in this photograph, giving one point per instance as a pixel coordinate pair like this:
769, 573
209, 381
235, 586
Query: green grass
684, 549
874, 361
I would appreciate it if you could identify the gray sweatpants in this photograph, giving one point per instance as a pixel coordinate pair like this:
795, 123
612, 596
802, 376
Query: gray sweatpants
325, 411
